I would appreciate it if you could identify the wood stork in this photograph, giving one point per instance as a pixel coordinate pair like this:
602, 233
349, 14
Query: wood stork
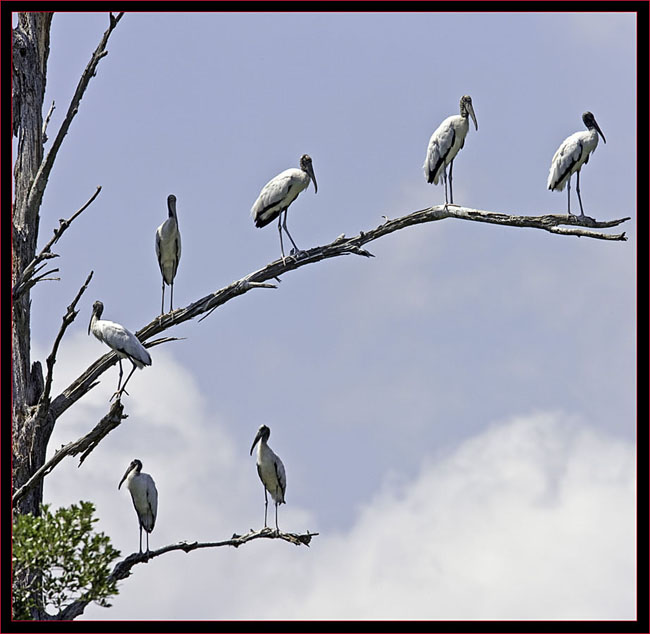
168, 250
122, 341
144, 496
271, 471
445, 143
571, 156
279, 193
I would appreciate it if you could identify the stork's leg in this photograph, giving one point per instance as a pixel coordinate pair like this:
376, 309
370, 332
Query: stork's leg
276, 518
162, 303
280, 230
284, 224
123, 389
444, 178
451, 191
266, 505
171, 300
147, 540
119, 381
582, 213
140, 538
568, 196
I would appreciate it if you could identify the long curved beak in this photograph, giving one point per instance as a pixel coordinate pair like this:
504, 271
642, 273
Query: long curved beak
599, 131
90, 323
310, 171
470, 109
126, 473
257, 437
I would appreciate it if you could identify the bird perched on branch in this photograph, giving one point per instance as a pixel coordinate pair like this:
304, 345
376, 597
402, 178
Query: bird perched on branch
144, 495
445, 143
122, 341
168, 250
572, 154
271, 471
279, 193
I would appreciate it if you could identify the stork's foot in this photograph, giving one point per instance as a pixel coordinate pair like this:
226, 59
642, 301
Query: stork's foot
118, 395
297, 253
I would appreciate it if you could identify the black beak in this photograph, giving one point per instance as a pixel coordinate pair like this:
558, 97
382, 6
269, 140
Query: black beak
470, 109
257, 437
126, 473
310, 171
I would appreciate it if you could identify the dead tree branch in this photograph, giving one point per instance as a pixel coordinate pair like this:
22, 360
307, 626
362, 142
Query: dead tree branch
340, 246
40, 180
47, 121
68, 318
548, 222
122, 570
27, 279
259, 279
86, 445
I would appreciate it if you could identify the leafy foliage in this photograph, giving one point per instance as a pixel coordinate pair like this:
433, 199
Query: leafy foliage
62, 557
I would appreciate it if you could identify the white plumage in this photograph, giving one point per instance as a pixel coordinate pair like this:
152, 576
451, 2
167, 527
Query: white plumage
271, 471
445, 143
144, 496
121, 340
279, 193
572, 154
168, 250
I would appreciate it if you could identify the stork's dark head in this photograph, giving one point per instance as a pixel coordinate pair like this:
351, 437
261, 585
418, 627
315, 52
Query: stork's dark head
171, 205
466, 108
306, 166
135, 465
590, 121
263, 434
98, 309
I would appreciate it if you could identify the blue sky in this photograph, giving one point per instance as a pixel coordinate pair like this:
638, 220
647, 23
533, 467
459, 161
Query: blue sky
471, 385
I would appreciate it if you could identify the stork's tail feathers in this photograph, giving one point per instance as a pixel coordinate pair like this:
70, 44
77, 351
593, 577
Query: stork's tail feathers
142, 361
264, 217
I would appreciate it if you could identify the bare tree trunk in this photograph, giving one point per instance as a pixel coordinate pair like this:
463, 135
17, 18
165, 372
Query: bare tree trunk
31, 47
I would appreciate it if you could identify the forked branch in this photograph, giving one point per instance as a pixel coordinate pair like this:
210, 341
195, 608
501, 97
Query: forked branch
27, 278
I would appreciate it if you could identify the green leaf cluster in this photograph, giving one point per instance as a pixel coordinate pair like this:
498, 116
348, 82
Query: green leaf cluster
62, 559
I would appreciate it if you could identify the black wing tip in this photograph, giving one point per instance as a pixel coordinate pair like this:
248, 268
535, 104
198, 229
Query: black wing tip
263, 221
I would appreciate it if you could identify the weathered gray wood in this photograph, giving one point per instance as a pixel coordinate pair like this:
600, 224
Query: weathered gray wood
122, 570
32, 424
31, 47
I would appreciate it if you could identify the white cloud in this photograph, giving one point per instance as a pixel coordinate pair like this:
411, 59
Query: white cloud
531, 519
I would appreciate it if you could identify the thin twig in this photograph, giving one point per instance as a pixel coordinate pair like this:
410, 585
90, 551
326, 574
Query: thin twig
122, 570
47, 121
68, 318
27, 279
